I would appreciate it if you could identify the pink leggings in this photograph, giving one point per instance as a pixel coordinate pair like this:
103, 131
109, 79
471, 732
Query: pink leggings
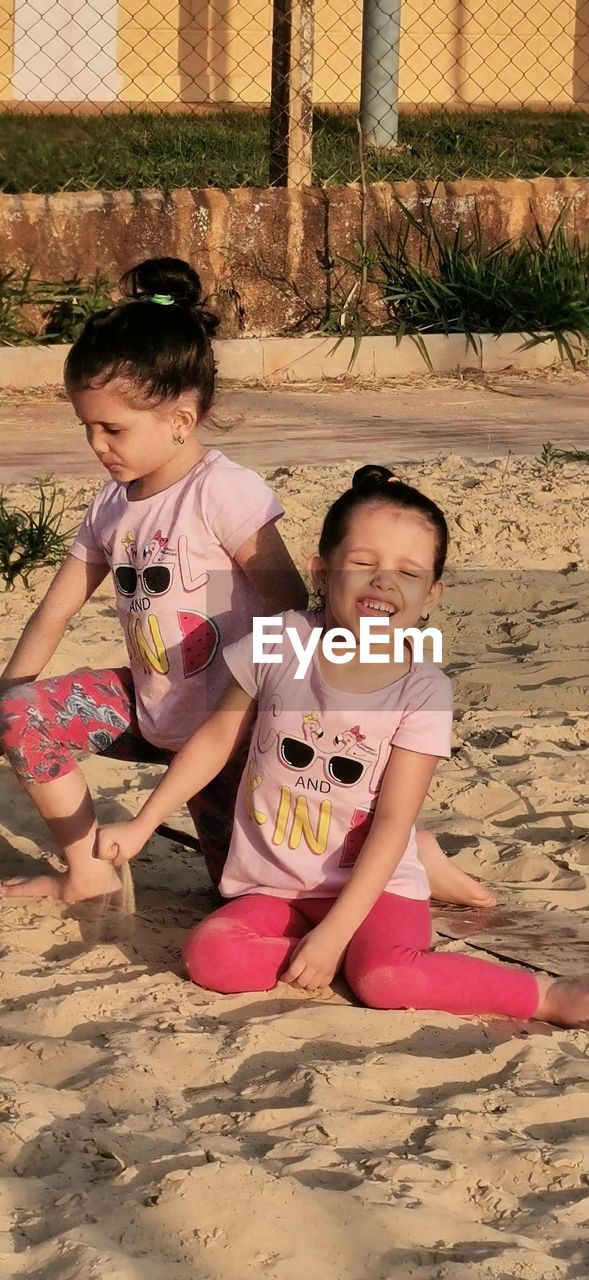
247, 944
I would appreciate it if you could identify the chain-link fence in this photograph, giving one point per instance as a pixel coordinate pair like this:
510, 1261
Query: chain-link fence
256, 92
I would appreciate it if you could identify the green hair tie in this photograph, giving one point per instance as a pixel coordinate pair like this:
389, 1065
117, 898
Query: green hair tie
163, 299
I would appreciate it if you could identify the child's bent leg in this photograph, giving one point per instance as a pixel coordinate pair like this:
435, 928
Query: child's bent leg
41, 724
446, 881
388, 966
67, 808
245, 945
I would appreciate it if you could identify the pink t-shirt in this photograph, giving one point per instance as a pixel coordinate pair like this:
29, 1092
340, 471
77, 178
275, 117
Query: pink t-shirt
180, 595
315, 765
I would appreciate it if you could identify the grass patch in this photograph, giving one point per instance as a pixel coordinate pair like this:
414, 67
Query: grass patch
30, 539
33, 311
467, 144
230, 149
552, 453
15, 292
66, 307
57, 153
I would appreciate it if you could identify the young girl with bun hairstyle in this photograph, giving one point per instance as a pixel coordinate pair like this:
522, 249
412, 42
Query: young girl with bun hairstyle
192, 544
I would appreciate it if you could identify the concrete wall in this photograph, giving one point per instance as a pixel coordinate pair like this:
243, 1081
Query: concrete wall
263, 253
489, 52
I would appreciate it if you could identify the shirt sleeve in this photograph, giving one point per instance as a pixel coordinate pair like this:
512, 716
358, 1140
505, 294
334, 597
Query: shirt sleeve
259, 677
426, 723
237, 503
239, 659
87, 544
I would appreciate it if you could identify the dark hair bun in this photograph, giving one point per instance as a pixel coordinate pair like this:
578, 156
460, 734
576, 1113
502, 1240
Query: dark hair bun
175, 278
371, 476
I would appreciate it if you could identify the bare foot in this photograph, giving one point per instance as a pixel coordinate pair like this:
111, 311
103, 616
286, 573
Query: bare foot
562, 1002
446, 881
98, 882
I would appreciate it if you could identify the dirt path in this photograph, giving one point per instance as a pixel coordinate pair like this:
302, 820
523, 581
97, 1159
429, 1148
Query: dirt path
322, 426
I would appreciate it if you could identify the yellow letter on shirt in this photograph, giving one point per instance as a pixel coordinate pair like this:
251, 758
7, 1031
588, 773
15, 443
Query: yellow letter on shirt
281, 816
156, 658
301, 826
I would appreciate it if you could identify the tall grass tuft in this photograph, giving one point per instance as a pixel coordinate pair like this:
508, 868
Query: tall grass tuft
33, 311
67, 306
30, 539
536, 286
15, 295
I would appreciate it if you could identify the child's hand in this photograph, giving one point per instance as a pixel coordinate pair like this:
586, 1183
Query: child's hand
315, 961
118, 843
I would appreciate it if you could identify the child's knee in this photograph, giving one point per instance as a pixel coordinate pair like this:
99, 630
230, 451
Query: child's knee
378, 983
211, 954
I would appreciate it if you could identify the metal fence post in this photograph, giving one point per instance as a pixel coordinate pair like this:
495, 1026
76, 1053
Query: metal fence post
291, 102
379, 94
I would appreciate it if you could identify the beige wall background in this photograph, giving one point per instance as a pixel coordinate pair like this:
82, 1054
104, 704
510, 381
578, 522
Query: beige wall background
170, 52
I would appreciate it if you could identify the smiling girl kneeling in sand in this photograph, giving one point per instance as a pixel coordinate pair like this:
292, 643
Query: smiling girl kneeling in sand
322, 872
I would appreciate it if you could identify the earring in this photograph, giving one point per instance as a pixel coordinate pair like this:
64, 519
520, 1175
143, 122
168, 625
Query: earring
178, 439
425, 617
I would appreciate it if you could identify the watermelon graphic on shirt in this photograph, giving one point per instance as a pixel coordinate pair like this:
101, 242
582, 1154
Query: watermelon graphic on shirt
200, 641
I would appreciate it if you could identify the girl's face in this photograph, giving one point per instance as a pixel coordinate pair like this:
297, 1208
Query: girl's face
384, 568
131, 442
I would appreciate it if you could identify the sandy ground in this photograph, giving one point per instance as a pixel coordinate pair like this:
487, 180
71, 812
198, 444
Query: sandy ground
152, 1131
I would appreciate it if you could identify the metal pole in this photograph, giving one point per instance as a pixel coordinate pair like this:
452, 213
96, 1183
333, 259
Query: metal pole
291, 102
379, 95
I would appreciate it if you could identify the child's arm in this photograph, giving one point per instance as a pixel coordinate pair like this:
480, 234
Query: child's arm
270, 569
199, 761
404, 787
72, 586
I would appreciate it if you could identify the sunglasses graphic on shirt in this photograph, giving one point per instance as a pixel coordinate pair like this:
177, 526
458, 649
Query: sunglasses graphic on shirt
344, 770
155, 579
